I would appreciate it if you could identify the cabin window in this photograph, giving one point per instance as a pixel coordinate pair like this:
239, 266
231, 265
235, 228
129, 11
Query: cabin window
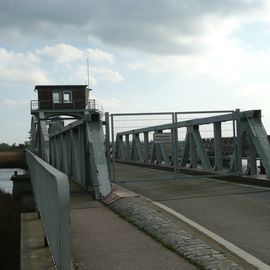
67, 96
56, 96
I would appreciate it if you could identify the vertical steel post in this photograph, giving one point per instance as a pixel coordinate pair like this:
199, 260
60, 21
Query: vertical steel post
218, 146
238, 156
107, 131
113, 149
146, 147
192, 149
252, 157
175, 146
127, 147
158, 150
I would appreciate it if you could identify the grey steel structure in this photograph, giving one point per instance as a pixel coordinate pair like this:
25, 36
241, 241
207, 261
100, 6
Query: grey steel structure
133, 145
79, 151
78, 148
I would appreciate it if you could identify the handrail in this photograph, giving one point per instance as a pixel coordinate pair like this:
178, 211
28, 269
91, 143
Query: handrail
51, 191
90, 104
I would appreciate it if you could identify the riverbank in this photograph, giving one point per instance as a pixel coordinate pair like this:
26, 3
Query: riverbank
10, 228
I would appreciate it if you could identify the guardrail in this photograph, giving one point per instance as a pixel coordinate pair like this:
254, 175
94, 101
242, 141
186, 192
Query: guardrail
247, 129
51, 191
79, 104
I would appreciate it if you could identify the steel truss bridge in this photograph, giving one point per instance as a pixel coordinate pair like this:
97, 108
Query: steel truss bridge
87, 149
81, 150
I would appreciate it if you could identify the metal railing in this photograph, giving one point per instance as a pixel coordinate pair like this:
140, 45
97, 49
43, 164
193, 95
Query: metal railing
80, 104
51, 191
249, 140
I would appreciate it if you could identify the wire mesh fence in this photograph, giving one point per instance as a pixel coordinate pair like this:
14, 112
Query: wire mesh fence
161, 138
139, 146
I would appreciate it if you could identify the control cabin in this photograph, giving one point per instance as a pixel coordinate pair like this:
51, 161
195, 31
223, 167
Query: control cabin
62, 97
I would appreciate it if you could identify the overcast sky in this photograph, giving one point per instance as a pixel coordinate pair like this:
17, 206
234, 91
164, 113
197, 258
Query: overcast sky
151, 55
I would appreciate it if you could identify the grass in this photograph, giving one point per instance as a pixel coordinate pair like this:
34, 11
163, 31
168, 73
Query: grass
10, 230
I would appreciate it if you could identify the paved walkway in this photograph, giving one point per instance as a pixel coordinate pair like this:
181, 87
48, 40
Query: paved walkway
34, 255
101, 240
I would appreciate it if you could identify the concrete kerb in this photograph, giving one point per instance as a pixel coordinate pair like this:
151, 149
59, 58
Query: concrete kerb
142, 212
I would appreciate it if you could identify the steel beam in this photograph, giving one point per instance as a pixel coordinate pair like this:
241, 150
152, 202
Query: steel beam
127, 147
185, 153
138, 148
252, 157
258, 136
164, 153
200, 148
120, 148
95, 137
80, 152
146, 147
218, 146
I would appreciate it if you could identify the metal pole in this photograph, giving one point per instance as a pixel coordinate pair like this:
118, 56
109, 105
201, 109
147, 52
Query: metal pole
107, 130
175, 146
238, 149
113, 149
235, 144
218, 146
237, 139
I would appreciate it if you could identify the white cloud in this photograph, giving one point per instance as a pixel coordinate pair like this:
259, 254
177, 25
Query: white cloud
23, 68
136, 65
16, 103
108, 74
110, 104
80, 74
65, 53
98, 55
225, 60
61, 53
61, 63
254, 91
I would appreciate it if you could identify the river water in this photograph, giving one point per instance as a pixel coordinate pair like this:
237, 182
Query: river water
5, 183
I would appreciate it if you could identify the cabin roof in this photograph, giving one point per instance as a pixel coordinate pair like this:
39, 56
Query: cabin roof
70, 87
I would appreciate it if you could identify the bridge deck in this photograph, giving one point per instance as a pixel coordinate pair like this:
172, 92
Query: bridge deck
102, 240
236, 212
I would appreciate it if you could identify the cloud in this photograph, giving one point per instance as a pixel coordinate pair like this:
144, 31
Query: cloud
254, 91
136, 65
155, 26
61, 53
23, 68
16, 103
99, 55
66, 53
61, 63
107, 73
69, 58
81, 74
110, 104
225, 61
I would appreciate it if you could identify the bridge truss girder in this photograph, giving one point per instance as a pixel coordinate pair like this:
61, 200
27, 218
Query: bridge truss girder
78, 150
40, 136
248, 127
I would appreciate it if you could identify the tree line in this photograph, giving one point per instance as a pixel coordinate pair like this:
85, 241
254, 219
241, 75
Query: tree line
12, 147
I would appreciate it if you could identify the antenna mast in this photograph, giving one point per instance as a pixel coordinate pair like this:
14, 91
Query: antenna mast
88, 81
